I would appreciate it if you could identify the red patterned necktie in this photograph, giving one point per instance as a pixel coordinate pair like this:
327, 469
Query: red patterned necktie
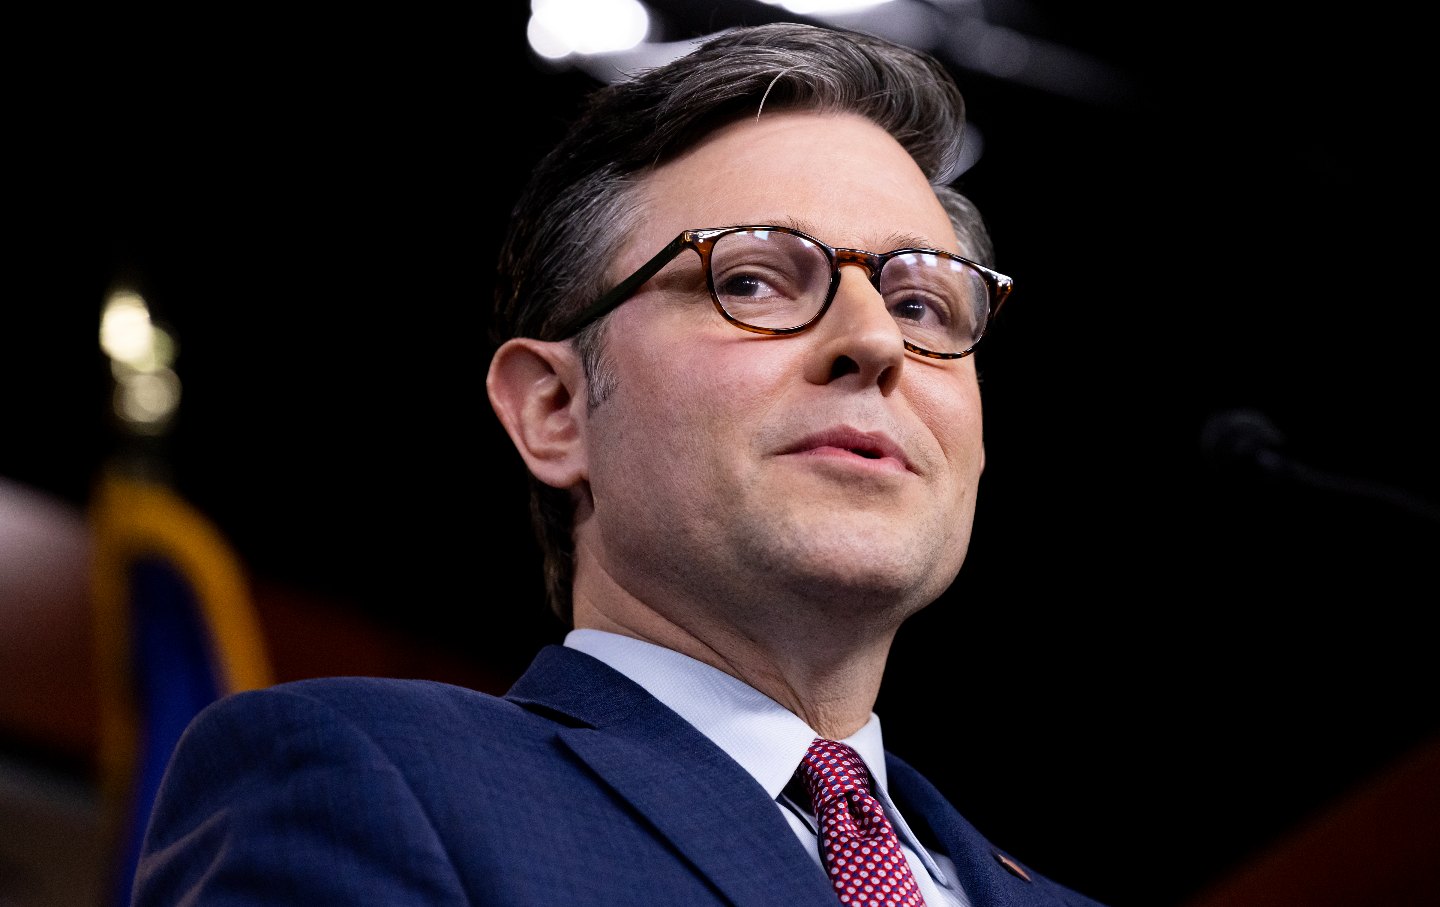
859, 846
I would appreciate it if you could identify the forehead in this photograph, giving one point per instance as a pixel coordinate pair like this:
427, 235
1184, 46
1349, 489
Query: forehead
838, 176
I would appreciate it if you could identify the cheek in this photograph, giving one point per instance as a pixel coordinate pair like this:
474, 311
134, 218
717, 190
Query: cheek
952, 412
713, 383
676, 446
675, 413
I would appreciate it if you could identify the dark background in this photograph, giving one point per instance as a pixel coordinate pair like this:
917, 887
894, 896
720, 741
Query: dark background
1155, 662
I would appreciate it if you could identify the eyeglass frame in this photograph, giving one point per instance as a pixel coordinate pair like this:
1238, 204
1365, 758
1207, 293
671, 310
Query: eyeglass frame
702, 240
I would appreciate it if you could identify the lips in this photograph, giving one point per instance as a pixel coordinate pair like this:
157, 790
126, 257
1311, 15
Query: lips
843, 440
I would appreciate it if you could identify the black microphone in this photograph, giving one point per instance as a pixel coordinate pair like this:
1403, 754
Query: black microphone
1243, 438
1247, 439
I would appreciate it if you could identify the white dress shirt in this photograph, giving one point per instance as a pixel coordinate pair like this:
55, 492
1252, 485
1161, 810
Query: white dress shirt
768, 741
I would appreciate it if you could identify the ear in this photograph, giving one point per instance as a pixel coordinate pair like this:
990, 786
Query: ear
537, 390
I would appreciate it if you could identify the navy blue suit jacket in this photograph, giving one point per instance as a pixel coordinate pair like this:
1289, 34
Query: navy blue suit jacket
576, 788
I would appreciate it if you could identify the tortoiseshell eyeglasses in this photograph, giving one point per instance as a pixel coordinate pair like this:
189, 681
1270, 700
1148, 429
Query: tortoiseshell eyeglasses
778, 280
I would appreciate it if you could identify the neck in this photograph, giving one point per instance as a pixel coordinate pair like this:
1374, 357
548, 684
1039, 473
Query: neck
825, 670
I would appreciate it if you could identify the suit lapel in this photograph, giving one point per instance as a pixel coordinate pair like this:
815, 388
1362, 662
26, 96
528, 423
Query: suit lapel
982, 866
681, 782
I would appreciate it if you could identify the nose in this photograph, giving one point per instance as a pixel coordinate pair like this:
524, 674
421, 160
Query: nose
857, 339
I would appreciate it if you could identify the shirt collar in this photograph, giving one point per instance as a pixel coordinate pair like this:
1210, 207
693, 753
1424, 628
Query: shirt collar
767, 739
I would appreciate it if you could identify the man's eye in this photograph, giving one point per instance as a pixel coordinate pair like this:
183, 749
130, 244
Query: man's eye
744, 286
921, 310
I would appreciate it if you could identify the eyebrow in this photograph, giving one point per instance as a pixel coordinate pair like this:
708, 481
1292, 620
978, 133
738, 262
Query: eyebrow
892, 240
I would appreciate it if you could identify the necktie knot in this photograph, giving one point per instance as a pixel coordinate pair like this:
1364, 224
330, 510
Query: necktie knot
859, 846
832, 769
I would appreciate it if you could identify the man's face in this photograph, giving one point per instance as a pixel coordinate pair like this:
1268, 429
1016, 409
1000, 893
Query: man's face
730, 470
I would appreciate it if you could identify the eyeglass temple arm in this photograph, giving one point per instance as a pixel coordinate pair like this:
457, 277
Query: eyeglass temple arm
623, 290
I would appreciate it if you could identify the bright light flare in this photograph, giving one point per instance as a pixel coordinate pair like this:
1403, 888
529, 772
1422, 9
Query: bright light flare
559, 28
823, 7
147, 390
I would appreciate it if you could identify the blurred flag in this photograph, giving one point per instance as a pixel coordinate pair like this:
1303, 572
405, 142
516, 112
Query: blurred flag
175, 624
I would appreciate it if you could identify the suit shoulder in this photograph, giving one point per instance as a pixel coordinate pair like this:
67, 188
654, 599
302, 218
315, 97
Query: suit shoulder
368, 702
338, 691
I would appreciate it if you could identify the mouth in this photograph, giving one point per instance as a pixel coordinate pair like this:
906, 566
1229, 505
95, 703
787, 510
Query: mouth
853, 444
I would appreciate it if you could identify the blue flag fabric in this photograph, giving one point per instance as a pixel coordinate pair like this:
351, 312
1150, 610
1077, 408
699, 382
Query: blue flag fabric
176, 630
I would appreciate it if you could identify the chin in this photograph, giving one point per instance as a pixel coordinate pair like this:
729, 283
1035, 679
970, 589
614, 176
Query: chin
898, 586
883, 556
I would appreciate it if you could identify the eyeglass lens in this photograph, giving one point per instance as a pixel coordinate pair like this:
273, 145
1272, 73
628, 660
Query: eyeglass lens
775, 280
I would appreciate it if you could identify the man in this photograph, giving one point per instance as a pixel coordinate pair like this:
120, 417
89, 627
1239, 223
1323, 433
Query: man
755, 451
